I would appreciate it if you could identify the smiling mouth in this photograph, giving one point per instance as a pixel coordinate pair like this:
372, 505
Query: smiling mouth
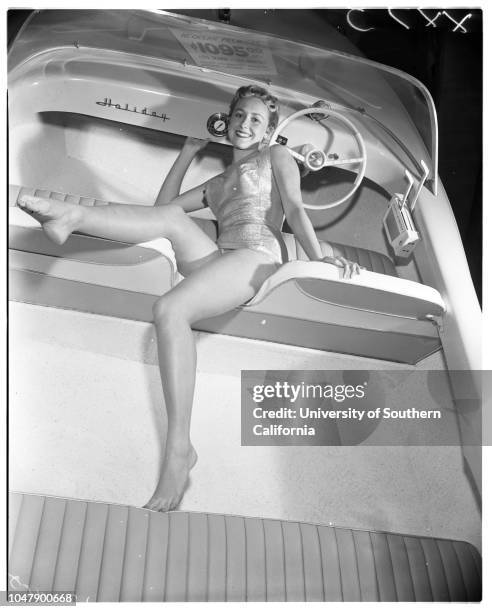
242, 134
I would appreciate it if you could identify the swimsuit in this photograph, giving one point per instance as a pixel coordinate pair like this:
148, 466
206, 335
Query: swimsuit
248, 208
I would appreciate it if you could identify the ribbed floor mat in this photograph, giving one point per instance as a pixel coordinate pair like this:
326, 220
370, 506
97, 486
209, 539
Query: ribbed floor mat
107, 552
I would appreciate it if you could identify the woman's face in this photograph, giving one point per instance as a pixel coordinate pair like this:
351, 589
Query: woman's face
248, 123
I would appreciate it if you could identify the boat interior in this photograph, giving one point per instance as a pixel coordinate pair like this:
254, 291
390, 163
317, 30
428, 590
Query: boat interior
92, 125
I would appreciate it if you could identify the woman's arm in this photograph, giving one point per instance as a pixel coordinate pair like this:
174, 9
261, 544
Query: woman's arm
286, 174
172, 183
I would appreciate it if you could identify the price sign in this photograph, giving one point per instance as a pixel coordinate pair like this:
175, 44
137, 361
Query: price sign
237, 55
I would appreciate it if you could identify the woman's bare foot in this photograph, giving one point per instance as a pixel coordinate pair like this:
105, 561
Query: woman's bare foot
59, 219
173, 479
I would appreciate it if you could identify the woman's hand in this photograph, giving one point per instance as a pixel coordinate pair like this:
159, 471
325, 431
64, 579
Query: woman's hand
193, 146
350, 268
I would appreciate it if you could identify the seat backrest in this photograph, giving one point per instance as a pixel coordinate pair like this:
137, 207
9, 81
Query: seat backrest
370, 260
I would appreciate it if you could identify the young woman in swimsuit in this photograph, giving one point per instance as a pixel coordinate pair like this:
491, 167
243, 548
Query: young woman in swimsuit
250, 200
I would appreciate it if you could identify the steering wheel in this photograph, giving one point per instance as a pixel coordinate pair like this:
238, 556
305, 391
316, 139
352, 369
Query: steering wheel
315, 159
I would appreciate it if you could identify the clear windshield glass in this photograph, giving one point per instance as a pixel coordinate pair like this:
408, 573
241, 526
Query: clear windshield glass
392, 101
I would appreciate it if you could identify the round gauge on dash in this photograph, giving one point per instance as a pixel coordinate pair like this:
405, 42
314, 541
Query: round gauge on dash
217, 124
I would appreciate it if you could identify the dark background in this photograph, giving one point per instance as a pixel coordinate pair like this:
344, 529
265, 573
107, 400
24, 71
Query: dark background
448, 62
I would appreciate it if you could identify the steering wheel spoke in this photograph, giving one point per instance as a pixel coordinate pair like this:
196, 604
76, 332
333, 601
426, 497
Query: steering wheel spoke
316, 159
295, 154
344, 162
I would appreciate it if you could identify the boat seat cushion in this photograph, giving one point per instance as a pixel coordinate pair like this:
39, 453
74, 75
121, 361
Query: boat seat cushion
107, 552
370, 260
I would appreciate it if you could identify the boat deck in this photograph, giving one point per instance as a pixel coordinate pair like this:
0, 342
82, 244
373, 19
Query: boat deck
86, 422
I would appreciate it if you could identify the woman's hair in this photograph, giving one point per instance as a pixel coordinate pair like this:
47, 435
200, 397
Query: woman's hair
253, 91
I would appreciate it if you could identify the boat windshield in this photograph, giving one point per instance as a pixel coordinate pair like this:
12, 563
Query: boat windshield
391, 100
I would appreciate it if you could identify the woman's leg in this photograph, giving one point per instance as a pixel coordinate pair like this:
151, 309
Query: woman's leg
125, 223
216, 287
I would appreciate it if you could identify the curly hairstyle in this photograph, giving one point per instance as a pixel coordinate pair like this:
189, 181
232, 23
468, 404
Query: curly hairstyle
254, 91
